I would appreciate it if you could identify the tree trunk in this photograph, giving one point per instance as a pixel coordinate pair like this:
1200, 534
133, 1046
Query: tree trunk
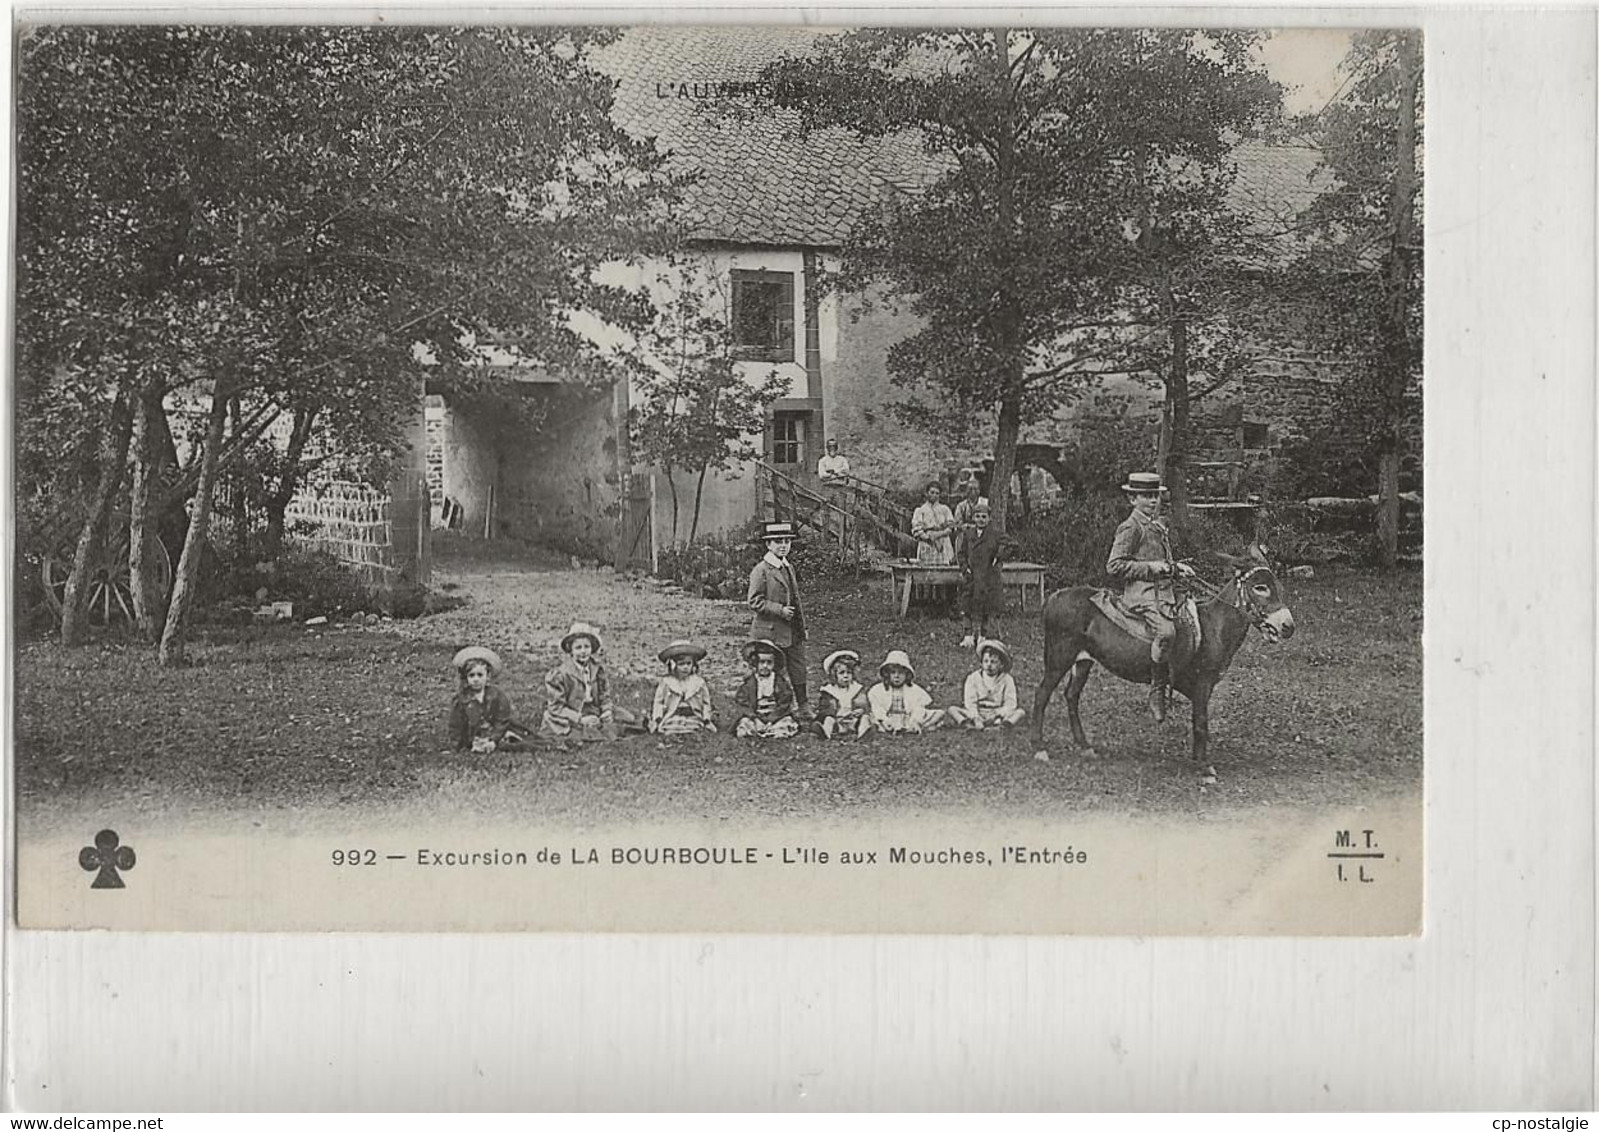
149, 456
1012, 373
671, 485
237, 497
1396, 321
277, 503
91, 535
188, 571
1175, 469
1010, 429
699, 492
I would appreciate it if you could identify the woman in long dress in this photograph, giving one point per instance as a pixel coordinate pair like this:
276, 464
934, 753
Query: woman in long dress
932, 526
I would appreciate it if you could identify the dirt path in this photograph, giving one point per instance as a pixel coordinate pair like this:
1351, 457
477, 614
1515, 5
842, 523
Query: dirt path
524, 613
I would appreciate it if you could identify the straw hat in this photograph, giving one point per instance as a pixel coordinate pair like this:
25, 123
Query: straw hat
778, 530
580, 629
998, 649
842, 654
682, 648
478, 652
1142, 483
759, 646
896, 659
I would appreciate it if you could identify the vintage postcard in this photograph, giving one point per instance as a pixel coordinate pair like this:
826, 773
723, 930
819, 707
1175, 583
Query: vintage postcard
719, 479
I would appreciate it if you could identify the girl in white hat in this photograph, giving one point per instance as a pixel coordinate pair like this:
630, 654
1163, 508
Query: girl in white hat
842, 708
900, 706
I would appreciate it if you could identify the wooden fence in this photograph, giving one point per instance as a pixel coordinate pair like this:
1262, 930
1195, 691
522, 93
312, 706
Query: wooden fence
351, 521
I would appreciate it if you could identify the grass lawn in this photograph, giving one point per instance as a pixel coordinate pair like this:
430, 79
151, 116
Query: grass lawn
298, 719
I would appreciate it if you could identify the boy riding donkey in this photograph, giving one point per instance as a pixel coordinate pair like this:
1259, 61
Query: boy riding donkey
1141, 557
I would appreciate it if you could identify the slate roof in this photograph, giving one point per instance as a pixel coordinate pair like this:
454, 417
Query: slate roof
1275, 182
759, 181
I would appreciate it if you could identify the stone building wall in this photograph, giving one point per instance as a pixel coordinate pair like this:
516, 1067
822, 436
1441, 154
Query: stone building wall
561, 484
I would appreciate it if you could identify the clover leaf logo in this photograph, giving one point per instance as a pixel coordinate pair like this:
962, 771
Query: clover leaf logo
108, 855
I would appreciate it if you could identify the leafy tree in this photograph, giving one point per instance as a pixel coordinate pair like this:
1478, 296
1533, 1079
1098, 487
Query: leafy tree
696, 409
1364, 266
306, 220
1081, 169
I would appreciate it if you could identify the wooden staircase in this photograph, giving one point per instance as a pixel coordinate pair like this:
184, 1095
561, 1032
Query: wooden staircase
853, 513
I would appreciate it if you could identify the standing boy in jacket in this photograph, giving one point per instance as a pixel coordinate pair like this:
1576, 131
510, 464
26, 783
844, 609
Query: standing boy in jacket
779, 617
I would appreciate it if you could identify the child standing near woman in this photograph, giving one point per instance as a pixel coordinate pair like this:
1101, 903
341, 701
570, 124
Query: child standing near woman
983, 583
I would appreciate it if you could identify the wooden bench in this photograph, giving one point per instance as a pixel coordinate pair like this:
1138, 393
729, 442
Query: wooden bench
906, 574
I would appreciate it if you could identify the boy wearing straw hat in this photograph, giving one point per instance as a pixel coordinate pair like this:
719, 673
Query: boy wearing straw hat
480, 714
779, 616
989, 698
1141, 559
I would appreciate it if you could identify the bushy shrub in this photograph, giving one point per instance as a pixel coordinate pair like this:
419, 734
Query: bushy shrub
1110, 442
317, 583
1204, 537
1325, 464
405, 600
819, 562
716, 565
1069, 538
720, 565
1288, 531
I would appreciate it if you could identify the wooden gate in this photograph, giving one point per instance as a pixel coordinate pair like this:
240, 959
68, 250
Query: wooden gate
635, 544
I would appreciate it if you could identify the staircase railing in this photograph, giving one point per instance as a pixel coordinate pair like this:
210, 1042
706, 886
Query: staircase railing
793, 501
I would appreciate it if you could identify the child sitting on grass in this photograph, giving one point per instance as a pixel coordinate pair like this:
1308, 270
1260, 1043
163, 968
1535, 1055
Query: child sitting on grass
766, 697
480, 714
900, 706
682, 700
580, 695
990, 697
843, 708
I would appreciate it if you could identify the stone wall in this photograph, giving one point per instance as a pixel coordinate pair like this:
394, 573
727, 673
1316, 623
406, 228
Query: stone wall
561, 484
468, 462
859, 404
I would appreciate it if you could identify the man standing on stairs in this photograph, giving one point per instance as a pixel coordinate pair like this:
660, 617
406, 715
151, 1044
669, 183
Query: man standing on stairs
832, 466
779, 618
832, 471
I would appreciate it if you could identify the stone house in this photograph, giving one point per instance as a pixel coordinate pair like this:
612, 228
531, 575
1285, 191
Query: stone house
768, 209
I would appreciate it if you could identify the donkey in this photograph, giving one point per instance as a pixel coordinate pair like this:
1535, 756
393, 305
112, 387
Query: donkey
1077, 633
